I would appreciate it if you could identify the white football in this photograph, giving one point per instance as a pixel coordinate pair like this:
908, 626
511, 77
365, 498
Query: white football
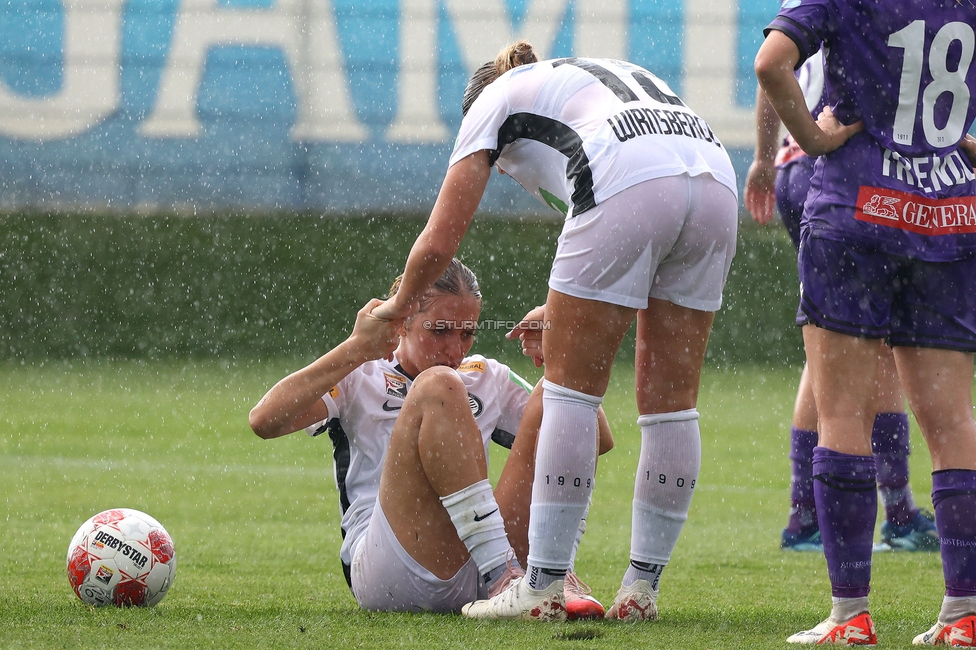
121, 557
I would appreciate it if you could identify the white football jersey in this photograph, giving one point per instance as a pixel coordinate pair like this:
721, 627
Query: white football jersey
574, 132
363, 408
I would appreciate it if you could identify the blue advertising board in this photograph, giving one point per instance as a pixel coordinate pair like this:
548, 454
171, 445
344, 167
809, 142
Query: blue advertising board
320, 105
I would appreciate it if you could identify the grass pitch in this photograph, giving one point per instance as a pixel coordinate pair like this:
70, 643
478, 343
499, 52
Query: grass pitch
255, 523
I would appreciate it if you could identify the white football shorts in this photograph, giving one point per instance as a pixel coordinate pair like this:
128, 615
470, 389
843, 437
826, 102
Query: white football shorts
385, 578
671, 238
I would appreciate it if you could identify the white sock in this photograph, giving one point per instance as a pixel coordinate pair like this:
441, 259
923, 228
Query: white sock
564, 471
643, 571
957, 607
667, 472
479, 525
580, 532
844, 609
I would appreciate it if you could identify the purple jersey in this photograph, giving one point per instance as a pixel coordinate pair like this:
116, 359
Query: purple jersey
906, 69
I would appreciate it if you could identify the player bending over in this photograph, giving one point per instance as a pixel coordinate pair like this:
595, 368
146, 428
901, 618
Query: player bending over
648, 194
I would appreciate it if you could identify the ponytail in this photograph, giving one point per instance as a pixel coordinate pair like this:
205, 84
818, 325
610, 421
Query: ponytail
511, 56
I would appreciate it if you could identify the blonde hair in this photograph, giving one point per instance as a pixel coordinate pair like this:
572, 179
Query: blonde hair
456, 280
511, 56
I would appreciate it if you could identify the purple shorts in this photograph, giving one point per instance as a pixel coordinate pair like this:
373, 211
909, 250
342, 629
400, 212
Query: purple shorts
792, 185
854, 289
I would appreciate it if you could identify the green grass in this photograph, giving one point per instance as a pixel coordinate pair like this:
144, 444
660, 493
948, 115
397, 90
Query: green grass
255, 522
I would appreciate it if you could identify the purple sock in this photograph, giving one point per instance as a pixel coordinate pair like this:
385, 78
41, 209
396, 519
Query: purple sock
954, 498
847, 507
803, 508
889, 439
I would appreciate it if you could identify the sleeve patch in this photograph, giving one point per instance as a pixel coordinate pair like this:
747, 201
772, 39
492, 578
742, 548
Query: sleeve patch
472, 366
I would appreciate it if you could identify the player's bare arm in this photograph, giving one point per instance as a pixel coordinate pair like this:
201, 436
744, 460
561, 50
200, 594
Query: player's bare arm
295, 402
436, 246
760, 197
775, 62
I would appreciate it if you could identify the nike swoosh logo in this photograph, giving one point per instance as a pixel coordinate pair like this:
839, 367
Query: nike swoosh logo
478, 517
387, 407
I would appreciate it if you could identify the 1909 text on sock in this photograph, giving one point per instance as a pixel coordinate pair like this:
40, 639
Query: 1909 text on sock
575, 482
680, 481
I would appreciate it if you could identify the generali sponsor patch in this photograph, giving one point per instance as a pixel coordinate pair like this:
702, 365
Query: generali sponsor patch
472, 366
917, 214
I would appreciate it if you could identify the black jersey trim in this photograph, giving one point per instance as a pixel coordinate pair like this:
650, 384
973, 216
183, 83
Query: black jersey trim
560, 137
406, 374
503, 438
808, 38
340, 453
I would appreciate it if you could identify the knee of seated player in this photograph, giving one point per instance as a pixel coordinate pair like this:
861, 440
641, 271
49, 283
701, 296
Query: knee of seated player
440, 399
439, 383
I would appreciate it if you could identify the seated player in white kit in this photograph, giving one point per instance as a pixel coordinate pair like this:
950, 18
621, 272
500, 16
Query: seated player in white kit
410, 415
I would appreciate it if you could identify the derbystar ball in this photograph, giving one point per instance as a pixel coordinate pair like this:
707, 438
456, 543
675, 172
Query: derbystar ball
121, 557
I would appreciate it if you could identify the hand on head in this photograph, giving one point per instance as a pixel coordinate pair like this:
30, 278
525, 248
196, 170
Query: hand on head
378, 336
389, 310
